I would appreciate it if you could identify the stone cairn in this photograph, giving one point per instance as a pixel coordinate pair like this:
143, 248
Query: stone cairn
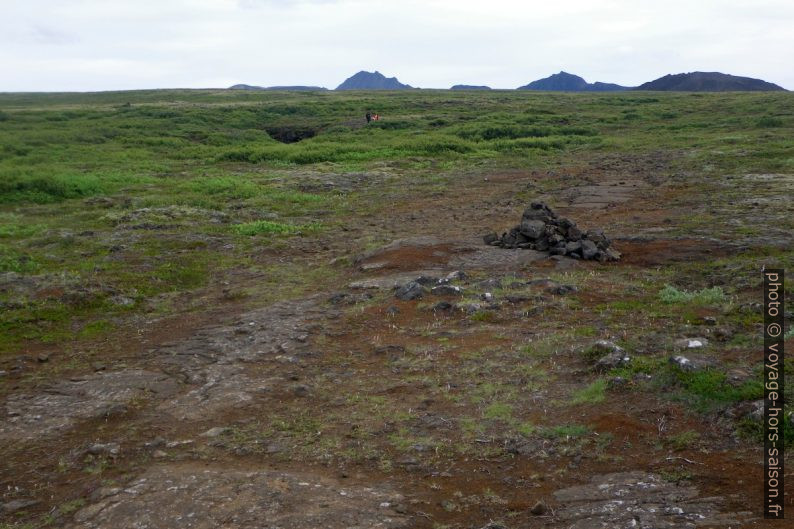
543, 230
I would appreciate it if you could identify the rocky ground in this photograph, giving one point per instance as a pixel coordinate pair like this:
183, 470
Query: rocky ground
441, 383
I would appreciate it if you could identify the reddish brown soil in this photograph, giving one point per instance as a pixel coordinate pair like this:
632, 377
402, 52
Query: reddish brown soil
633, 425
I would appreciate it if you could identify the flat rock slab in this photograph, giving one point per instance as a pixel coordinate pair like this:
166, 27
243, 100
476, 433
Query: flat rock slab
640, 500
224, 387
63, 404
435, 256
174, 497
474, 257
281, 328
201, 375
601, 196
391, 281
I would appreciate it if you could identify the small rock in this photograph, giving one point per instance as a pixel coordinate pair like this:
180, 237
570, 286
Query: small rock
104, 449
562, 290
589, 249
490, 238
389, 349
392, 310
157, 442
215, 432
3, 373
337, 298
494, 525
737, 377
682, 362
487, 296
533, 229
604, 347
442, 306
723, 334
274, 448
98, 366
17, 505
468, 308
538, 509
103, 492
446, 290
490, 284
753, 410
122, 301
516, 300
688, 363
301, 391
43, 357
612, 361
159, 454
410, 291
573, 247
691, 343
457, 275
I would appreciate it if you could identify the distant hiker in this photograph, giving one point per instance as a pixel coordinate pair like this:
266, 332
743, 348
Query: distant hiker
369, 117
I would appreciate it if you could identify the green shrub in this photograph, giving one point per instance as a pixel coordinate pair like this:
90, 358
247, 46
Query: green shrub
43, 189
707, 296
770, 122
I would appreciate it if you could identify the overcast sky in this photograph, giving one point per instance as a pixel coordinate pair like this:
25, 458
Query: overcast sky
88, 45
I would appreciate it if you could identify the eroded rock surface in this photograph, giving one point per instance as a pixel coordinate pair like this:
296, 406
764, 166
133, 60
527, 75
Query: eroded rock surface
192, 378
643, 501
188, 497
64, 403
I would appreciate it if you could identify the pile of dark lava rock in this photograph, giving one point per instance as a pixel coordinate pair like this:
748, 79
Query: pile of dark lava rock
543, 230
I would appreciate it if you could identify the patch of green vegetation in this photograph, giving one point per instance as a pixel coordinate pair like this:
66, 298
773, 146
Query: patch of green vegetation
484, 316
71, 506
708, 389
526, 429
498, 410
94, 329
684, 440
564, 431
706, 296
770, 121
676, 476
268, 227
20, 187
592, 394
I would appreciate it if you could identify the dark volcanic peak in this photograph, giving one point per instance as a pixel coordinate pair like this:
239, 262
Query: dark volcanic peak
707, 82
372, 81
566, 82
469, 87
296, 88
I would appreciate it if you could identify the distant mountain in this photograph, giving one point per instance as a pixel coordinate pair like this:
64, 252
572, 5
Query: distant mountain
469, 87
566, 82
372, 81
606, 87
707, 82
297, 88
